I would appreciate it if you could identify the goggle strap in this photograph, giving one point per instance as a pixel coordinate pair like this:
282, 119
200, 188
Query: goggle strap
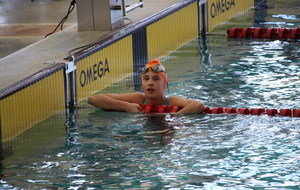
168, 87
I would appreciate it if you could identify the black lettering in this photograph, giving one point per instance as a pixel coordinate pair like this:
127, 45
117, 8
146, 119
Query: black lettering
220, 7
213, 10
227, 5
223, 5
89, 75
100, 69
94, 72
106, 66
82, 78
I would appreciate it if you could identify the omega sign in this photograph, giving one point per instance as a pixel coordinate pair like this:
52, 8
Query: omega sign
220, 7
94, 72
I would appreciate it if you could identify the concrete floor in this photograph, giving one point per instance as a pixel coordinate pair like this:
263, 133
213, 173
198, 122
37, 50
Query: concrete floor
24, 24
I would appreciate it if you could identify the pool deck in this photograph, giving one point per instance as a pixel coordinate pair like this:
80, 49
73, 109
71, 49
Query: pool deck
23, 24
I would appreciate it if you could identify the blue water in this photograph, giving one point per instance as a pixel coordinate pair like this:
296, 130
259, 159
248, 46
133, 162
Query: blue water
92, 149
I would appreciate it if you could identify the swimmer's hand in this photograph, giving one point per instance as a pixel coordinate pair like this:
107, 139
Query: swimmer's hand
132, 107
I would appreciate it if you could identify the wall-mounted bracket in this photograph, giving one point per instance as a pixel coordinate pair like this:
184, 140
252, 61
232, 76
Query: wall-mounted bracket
70, 85
70, 67
202, 14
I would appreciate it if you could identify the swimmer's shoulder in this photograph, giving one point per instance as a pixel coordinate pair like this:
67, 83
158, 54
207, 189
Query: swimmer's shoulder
177, 101
173, 100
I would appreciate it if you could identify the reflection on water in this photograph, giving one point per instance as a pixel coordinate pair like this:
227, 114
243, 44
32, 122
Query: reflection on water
124, 150
158, 130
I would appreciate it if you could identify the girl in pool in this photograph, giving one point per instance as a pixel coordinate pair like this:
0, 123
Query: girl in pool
154, 81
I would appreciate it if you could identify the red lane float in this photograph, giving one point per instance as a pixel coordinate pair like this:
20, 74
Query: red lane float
272, 112
230, 110
256, 111
159, 109
264, 33
219, 110
286, 112
244, 111
296, 113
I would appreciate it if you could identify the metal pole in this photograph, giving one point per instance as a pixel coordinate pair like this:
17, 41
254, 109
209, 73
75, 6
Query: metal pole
124, 7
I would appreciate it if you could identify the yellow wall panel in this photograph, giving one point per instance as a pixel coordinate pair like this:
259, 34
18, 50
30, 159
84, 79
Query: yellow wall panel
171, 32
103, 68
31, 105
220, 11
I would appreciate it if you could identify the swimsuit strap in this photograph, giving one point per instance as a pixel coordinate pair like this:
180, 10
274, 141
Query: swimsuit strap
166, 101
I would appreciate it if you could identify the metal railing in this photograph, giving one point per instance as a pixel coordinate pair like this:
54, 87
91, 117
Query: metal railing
126, 9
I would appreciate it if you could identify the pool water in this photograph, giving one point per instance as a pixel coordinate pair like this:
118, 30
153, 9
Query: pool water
94, 149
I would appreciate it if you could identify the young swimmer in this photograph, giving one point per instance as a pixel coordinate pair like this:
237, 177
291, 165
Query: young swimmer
154, 82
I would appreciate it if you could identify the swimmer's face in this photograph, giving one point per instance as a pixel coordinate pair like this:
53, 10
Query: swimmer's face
152, 84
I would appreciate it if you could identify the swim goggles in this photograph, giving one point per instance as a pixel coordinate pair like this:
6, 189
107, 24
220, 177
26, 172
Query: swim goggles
153, 69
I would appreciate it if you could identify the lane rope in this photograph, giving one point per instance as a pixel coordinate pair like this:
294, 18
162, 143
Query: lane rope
255, 111
264, 33
220, 110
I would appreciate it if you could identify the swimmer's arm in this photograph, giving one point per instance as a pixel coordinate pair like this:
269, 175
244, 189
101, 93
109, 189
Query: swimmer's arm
187, 105
128, 102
